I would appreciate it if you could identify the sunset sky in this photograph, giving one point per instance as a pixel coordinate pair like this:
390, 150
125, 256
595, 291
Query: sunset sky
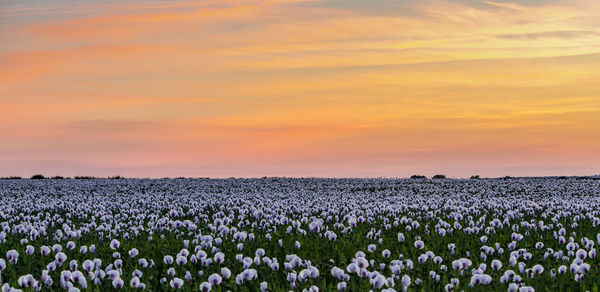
341, 88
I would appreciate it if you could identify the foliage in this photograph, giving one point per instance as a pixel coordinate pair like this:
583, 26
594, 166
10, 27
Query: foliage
296, 234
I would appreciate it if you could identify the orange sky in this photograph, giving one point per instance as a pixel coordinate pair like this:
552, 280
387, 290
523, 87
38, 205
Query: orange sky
345, 88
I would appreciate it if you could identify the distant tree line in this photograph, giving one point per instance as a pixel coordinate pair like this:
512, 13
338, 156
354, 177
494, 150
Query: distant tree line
437, 176
415, 176
40, 176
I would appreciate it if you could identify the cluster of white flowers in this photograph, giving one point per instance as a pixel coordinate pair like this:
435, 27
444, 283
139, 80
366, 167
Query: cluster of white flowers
299, 234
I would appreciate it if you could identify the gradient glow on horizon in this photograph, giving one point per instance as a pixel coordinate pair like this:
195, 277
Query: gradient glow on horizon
342, 88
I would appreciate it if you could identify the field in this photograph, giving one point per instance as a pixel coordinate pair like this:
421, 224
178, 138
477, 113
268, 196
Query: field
277, 234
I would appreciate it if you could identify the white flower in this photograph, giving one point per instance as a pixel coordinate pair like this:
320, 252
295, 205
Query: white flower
181, 260
114, 244
117, 283
44, 250
171, 272
386, 253
176, 283
113, 274
581, 254
419, 244
56, 248
378, 281
337, 273
457, 265
60, 257
263, 287
73, 265
496, 265
215, 279
249, 274
143, 263
225, 273
371, 247
133, 252
442, 232
205, 287
26, 281
400, 237
405, 281
51, 266
79, 278
219, 257
481, 279
135, 282
12, 256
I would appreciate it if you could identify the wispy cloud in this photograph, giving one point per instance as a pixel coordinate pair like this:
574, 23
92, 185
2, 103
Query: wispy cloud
558, 34
506, 5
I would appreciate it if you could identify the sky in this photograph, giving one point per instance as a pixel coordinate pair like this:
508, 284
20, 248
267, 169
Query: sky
340, 88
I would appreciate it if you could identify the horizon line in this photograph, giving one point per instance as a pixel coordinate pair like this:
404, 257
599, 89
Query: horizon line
412, 177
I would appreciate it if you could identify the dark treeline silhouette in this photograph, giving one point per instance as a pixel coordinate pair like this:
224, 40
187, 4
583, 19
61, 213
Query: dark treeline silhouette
416, 176
41, 176
437, 176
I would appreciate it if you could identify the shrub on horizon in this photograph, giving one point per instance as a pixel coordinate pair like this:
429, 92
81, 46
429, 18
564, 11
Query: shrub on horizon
84, 177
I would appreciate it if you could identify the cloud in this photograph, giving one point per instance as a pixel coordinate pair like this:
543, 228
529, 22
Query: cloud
109, 126
573, 34
506, 5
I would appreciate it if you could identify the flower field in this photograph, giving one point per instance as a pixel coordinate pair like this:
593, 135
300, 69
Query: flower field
278, 234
